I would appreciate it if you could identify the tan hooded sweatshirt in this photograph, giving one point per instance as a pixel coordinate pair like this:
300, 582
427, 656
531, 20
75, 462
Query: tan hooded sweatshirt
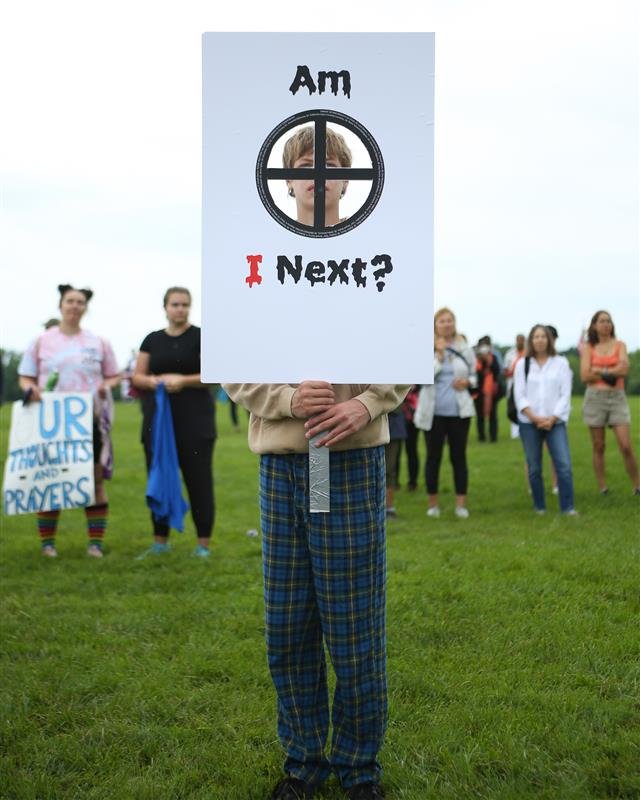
274, 429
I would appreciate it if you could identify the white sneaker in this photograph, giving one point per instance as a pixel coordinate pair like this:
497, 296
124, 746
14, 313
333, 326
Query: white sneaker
49, 551
462, 512
434, 512
571, 513
94, 551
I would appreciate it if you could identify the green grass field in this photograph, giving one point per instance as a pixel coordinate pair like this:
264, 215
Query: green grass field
514, 645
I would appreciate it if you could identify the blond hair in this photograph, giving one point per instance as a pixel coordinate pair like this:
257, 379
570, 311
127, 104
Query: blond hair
441, 312
302, 142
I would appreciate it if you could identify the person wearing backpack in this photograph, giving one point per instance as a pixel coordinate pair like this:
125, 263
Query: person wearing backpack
542, 394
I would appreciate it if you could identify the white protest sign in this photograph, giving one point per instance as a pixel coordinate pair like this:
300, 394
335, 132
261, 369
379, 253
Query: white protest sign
318, 207
50, 460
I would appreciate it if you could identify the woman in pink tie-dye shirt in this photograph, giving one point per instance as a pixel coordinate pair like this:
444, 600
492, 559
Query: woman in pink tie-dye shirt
83, 362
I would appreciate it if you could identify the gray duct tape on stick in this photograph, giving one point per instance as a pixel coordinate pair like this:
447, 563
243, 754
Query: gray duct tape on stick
319, 492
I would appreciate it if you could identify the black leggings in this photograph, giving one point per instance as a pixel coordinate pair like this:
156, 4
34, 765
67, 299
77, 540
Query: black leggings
456, 431
411, 446
493, 420
196, 464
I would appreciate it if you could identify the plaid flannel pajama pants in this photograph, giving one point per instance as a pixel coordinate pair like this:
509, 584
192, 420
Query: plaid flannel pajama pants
324, 584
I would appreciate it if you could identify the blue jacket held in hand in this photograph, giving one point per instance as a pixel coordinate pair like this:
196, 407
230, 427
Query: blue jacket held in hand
164, 491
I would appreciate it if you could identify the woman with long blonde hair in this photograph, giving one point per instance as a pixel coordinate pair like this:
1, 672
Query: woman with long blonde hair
445, 409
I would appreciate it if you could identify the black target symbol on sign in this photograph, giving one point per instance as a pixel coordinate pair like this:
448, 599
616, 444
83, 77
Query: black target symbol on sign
321, 171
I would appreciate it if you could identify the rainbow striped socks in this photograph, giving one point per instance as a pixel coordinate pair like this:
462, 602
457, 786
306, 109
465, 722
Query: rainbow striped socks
47, 526
96, 523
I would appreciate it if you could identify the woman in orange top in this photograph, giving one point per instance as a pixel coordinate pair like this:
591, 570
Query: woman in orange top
603, 366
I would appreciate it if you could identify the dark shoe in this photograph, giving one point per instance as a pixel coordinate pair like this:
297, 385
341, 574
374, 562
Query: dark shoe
292, 789
366, 791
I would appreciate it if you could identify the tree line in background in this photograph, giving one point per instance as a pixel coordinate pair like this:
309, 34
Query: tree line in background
9, 389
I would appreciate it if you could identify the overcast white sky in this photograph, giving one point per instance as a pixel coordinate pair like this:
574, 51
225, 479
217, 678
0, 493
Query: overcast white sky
536, 162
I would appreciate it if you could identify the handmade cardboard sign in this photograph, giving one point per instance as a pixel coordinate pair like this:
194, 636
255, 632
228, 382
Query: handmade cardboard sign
317, 217
50, 460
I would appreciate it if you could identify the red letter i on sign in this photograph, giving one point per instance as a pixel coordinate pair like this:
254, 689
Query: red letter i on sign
254, 276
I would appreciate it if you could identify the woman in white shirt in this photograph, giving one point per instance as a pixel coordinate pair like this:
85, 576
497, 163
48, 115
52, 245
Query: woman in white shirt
542, 392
